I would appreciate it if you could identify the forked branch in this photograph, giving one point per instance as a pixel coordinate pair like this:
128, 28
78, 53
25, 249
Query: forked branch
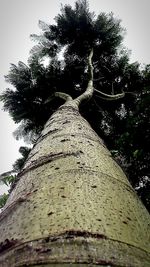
89, 90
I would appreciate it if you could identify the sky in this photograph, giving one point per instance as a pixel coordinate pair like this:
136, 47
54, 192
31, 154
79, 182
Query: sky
19, 19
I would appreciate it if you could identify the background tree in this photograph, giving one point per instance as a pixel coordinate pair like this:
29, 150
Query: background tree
10, 178
133, 144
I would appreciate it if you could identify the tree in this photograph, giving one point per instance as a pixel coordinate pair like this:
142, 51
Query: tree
69, 178
113, 73
89, 212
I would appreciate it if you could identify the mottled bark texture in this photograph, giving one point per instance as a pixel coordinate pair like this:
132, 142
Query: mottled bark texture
72, 204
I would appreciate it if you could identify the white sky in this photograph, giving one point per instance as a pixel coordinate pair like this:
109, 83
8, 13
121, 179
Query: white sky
19, 19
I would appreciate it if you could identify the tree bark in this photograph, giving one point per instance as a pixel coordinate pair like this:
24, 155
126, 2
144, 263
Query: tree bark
73, 204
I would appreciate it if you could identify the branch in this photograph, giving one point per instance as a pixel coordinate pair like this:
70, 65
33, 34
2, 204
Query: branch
89, 90
109, 97
64, 96
98, 79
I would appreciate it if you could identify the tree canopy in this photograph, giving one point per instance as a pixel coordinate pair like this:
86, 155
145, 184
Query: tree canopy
58, 62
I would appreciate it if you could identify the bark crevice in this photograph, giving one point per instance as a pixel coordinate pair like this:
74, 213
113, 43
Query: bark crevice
48, 158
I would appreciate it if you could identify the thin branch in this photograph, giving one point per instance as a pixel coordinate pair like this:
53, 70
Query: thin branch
64, 96
98, 79
100, 109
49, 99
109, 97
112, 88
89, 90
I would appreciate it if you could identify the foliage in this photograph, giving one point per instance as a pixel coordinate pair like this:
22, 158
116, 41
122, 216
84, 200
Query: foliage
134, 143
3, 199
18, 165
9, 178
76, 31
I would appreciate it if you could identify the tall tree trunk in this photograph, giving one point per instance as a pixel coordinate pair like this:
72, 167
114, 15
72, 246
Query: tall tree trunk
72, 203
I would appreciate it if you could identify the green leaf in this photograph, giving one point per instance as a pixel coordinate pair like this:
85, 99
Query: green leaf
3, 199
7, 180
